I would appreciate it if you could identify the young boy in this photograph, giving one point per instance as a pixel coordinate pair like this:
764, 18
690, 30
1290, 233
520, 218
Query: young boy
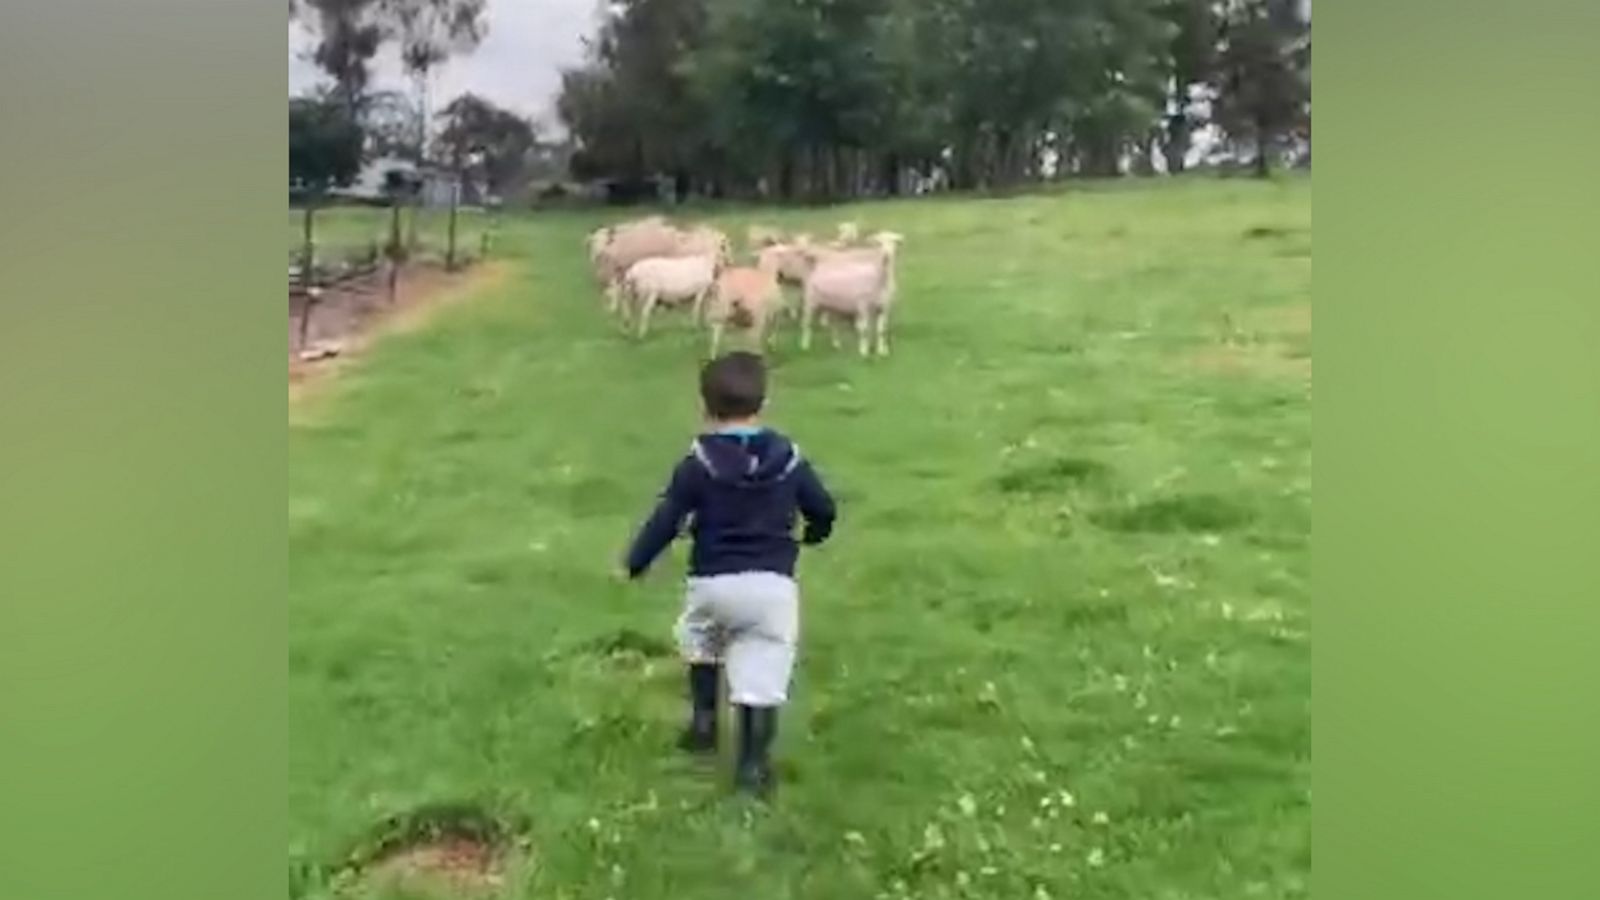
740, 485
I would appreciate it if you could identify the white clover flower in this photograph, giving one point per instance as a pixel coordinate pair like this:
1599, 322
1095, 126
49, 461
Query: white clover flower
1100, 818
1097, 857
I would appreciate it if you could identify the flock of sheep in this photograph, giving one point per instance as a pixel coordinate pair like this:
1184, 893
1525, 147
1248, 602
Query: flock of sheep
650, 262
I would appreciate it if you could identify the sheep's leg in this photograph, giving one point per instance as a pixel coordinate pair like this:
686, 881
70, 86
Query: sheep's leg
807, 314
864, 331
768, 329
833, 331
716, 338
647, 302
700, 308
883, 331
621, 304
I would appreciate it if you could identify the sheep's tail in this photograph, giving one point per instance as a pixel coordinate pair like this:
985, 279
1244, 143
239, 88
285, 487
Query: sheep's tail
741, 316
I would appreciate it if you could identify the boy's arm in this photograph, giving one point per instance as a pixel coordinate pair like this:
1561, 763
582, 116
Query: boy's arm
816, 504
658, 531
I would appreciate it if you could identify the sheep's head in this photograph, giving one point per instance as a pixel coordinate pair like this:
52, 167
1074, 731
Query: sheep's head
760, 236
849, 232
888, 241
770, 258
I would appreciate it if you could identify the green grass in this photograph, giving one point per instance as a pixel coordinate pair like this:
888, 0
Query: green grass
1073, 559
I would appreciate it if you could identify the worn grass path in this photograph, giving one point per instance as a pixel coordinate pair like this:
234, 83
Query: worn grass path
1059, 648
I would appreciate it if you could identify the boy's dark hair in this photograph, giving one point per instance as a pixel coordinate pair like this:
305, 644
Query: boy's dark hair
734, 385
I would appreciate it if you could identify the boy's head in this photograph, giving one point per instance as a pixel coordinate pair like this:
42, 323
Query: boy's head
733, 386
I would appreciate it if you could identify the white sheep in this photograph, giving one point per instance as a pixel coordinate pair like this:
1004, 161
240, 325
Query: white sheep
858, 284
601, 237
627, 246
669, 279
655, 238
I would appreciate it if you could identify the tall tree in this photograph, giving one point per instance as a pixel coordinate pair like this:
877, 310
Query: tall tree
829, 97
484, 141
325, 145
1265, 85
325, 151
429, 32
799, 80
389, 118
645, 48
349, 33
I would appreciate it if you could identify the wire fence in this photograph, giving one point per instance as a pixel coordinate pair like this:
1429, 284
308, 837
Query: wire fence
346, 239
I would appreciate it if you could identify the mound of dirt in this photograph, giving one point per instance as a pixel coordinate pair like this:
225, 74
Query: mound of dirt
444, 867
444, 851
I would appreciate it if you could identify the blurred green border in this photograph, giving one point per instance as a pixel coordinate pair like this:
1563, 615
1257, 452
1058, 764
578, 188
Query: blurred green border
1456, 482
142, 641
143, 414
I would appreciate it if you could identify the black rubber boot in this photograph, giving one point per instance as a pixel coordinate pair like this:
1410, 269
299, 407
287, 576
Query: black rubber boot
758, 725
700, 736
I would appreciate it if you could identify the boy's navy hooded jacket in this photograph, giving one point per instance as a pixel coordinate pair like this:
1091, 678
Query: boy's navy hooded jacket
741, 490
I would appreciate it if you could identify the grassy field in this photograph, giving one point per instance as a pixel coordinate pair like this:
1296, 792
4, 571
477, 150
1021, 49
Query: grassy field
1060, 646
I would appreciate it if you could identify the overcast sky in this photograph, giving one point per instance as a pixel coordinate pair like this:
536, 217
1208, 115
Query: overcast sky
518, 66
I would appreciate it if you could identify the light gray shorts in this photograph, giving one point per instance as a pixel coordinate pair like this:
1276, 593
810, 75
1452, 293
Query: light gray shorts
750, 622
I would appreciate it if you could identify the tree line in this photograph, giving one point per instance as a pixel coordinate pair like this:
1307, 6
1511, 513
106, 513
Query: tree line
334, 130
824, 99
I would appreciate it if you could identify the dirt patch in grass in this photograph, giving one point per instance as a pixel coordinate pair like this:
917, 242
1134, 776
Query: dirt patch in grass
1273, 343
435, 852
1272, 360
351, 318
448, 867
